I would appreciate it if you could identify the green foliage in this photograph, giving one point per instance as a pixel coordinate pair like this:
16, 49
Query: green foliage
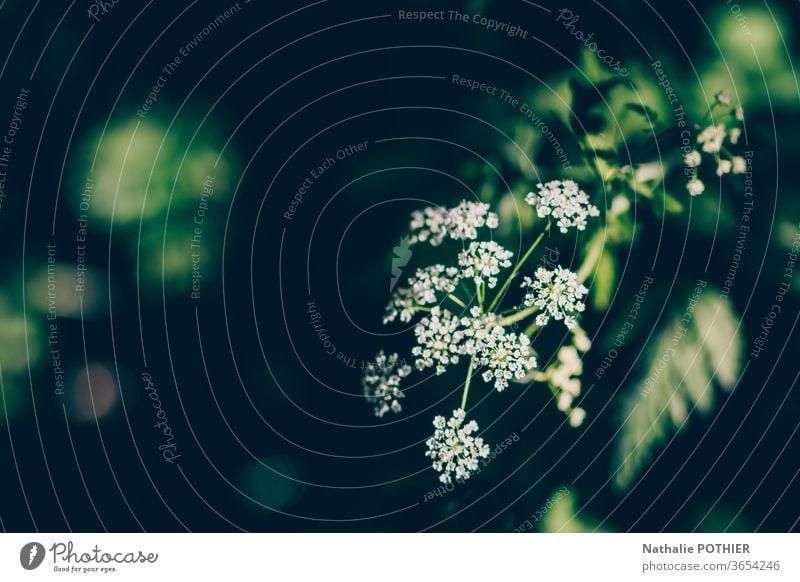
605, 281
700, 347
563, 517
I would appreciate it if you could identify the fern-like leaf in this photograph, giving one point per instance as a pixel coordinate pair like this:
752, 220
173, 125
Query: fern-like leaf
700, 348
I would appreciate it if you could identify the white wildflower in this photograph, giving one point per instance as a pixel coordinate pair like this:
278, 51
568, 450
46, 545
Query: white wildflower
565, 202
381, 383
724, 167
422, 290
505, 355
466, 218
695, 187
561, 372
401, 305
692, 159
734, 134
430, 280
429, 224
438, 336
711, 138
453, 449
475, 328
580, 340
620, 204
723, 98
558, 293
482, 261
739, 112
564, 401
739, 165
563, 377
570, 360
576, 417
461, 222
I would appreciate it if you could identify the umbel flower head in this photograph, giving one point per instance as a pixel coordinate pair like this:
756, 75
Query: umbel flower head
381, 383
711, 138
565, 202
557, 293
504, 354
711, 141
453, 449
438, 336
427, 287
434, 224
482, 262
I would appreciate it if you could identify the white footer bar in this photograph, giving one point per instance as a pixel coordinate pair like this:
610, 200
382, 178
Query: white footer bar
389, 557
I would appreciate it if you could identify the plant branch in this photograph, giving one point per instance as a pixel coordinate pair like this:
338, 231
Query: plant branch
518, 266
518, 316
467, 383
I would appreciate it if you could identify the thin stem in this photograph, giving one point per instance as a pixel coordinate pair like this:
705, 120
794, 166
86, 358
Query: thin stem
531, 328
591, 160
466, 383
518, 266
457, 300
520, 315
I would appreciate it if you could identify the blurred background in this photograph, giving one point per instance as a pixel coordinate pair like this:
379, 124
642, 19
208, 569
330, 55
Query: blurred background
159, 366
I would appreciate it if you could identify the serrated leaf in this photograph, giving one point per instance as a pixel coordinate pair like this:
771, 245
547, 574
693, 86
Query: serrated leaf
724, 344
700, 348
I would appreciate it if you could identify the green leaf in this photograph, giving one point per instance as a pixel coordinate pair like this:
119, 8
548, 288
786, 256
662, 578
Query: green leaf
561, 515
585, 97
591, 66
605, 281
701, 347
672, 204
647, 112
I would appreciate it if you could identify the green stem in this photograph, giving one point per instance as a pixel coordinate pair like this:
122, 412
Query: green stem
466, 383
457, 300
531, 328
520, 315
593, 256
518, 266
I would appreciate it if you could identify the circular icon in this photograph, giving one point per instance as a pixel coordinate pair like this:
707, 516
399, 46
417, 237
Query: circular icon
31, 555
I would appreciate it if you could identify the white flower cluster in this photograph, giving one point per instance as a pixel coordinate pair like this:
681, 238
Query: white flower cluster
443, 338
557, 293
506, 356
439, 337
433, 279
453, 449
712, 137
462, 222
712, 142
381, 383
422, 290
482, 262
565, 202
564, 378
